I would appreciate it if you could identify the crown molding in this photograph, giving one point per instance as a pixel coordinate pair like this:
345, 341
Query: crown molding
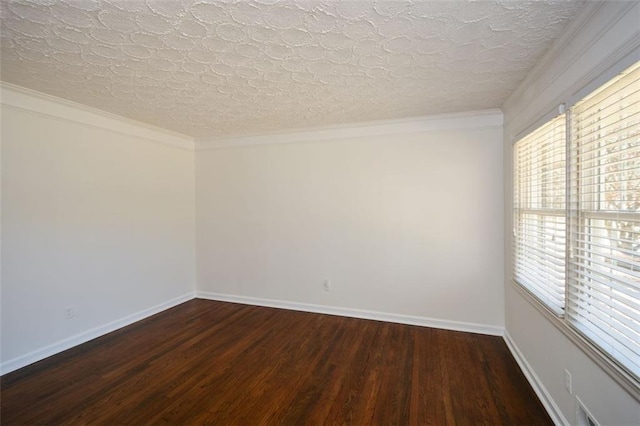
600, 23
557, 48
459, 121
42, 104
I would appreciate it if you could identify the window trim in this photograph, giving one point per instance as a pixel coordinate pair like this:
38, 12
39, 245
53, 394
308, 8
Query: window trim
629, 382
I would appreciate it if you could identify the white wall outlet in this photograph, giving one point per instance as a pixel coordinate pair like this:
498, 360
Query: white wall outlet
68, 313
567, 381
326, 284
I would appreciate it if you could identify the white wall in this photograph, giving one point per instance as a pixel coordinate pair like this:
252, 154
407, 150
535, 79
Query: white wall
97, 215
603, 34
409, 225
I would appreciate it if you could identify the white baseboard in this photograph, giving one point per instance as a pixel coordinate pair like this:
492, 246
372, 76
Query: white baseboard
356, 313
40, 354
535, 382
63, 345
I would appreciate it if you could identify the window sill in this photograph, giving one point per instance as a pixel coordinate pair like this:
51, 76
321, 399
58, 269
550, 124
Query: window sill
629, 383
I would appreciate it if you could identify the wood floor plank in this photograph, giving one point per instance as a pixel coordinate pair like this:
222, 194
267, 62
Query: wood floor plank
206, 362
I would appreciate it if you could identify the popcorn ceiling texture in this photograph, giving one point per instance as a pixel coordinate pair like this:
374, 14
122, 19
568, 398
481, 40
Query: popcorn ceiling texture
220, 68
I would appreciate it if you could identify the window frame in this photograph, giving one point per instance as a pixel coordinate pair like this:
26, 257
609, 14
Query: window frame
627, 380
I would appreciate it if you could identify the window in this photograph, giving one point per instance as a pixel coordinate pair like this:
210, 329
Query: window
577, 217
604, 268
540, 211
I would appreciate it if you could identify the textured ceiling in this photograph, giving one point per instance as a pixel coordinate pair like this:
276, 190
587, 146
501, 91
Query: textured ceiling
220, 68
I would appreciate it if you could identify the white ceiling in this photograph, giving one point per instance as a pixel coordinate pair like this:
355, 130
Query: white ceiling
210, 69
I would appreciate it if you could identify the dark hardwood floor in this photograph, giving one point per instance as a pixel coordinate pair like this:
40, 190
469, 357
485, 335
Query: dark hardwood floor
206, 362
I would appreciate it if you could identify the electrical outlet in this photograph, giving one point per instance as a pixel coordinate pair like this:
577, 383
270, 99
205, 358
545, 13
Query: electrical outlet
567, 381
68, 313
326, 285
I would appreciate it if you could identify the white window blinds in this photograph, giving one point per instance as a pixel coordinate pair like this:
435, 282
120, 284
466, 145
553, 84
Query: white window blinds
540, 211
604, 222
